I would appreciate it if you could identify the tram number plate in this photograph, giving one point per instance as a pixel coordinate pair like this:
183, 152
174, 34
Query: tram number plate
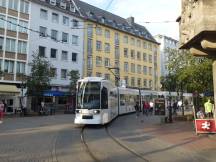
87, 117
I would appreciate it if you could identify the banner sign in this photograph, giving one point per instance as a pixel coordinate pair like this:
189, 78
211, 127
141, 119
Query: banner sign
205, 125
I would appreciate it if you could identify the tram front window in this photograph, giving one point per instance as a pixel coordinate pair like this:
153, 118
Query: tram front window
88, 96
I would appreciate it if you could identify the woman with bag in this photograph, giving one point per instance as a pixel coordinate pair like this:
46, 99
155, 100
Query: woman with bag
1, 112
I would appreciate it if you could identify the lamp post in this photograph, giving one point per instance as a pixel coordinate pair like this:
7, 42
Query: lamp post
170, 106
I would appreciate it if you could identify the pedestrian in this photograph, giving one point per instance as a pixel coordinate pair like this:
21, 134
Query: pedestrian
175, 106
137, 109
1, 112
209, 109
146, 108
151, 105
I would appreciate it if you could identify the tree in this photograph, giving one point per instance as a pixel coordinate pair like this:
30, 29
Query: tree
188, 73
40, 77
74, 76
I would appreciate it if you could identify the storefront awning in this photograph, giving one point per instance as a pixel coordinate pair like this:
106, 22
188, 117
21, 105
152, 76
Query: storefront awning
8, 90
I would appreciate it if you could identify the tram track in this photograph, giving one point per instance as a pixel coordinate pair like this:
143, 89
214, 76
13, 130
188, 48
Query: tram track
114, 139
125, 146
91, 154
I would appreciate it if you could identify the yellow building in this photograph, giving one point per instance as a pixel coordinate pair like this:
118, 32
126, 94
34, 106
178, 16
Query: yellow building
117, 47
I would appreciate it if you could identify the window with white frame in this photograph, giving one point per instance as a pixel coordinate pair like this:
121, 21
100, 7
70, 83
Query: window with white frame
2, 3
138, 55
55, 18
126, 79
24, 6
43, 14
1, 43
42, 51
63, 73
139, 82
20, 68
13, 4
2, 22
106, 62
132, 54
8, 66
54, 35
139, 69
65, 21
53, 72
150, 58
126, 39
132, 81
98, 45
150, 70
89, 63
10, 45
133, 68
126, 52
75, 23
107, 33
150, 83
126, 67
107, 47
144, 57
90, 30
64, 56
144, 45
75, 40
64, 37
43, 31
145, 70
23, 26
145, 82
98, 31
12, 26
132, 41
98, 61
74, 57
22, 47
53, 53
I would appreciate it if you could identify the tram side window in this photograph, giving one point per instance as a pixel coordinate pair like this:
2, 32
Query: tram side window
104, 98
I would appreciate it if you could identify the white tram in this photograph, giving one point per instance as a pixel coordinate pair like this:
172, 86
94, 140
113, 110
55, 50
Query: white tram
99, 101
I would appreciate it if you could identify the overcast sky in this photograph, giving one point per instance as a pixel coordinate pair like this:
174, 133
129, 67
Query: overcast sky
147, 11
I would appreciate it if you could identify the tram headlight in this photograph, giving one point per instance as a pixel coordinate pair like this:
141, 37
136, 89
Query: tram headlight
78, 111
96, 111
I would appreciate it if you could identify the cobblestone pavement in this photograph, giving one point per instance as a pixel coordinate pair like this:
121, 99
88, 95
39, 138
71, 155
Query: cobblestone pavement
57, 139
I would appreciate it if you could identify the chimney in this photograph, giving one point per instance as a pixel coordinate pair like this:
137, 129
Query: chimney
130, 21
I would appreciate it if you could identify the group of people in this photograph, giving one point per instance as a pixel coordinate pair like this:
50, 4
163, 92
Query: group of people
147, 108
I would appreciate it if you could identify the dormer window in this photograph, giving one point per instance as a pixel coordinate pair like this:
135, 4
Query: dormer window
63, 4
103, 20
72, 8
91, 14
53, 2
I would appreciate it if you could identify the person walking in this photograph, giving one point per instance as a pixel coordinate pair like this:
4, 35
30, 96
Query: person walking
1, 112
137, 109
146, 108
208, 108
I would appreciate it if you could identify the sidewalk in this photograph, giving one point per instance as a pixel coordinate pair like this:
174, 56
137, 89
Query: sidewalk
182, 134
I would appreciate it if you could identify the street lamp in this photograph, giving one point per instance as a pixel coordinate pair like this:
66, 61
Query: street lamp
170, 106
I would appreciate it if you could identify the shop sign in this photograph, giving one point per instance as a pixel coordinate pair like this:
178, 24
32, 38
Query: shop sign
205, 125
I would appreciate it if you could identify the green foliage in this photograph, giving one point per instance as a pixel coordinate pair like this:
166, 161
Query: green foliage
40, 76
187, 72
74, 76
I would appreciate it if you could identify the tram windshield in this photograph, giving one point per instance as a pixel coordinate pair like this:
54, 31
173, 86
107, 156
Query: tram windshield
88, 95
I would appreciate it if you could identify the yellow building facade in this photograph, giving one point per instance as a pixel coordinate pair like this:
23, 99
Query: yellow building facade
119, 48
108, 49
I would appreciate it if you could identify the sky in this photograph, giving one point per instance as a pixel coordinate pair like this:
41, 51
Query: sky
154, 11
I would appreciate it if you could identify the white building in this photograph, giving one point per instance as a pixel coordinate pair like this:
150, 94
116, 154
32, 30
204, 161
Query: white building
56, 32
166, 42
58, 40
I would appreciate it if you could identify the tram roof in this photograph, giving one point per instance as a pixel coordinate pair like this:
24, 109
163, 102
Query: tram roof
92, 79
